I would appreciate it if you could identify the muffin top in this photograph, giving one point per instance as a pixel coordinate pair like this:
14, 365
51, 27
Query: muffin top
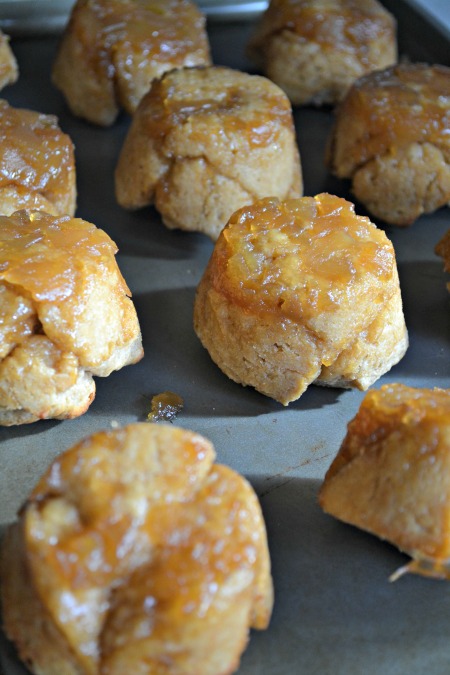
214, 105
52, 258
65, 271
337, 24
127, 22
392, 108
395, 408
302, 258
34, 153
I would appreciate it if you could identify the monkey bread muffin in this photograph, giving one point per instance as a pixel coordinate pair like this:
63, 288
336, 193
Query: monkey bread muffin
315, 49
9, 71
391, 139
298, 292
203, 143
65, 315
136, 553
391, 476
37, 164
112, 49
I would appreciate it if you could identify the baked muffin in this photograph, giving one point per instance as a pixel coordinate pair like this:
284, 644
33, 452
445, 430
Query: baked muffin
9, 71
298, 292
391, 475
37, 165
315, 49
443, 249
65, 315
391, 139
135, 553
206, 141
112, 49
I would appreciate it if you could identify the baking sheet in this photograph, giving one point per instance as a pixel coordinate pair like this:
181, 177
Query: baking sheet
335, 611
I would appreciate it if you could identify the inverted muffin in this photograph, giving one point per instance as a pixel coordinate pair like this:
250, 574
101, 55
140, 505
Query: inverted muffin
391, 475
203, 143
9, 71
37, 164
391, 139
111, 50
299, 292
65, 315
135, 553
315, 49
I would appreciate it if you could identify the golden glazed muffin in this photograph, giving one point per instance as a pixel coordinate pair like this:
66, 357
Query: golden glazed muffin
315, 49
65, 315
135, 553
37, 164
206, 141
9, 71
112, 49
298, 292
443, 249
391, 139
391, 475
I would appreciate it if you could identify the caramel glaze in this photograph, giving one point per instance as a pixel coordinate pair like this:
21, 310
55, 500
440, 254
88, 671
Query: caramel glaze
146, 509
218, 105
43, 254
165, 406
35, 155
145, 28
18, 318
345, 25
384, 410
106, 493
392, 108
301, 257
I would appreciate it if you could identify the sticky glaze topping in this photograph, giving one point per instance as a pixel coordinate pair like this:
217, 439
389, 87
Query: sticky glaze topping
45, 255
34, 153
299, 257
391, 409
117, 501
339, 24
217, 102
399, 105
162, 30
408, 405
165, 407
